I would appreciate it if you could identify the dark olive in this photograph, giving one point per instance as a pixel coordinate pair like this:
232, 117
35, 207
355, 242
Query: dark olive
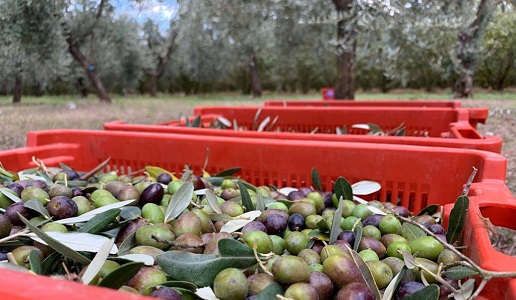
348, 236
296, 222
407, 288
254, 225
62, 207
295, 195
166, 293
275, 224
164, 178
13, 209
151, 194
372, 220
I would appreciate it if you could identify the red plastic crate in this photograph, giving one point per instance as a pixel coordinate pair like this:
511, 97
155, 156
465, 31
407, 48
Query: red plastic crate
413, 176
499, 206
445, 126
476, 115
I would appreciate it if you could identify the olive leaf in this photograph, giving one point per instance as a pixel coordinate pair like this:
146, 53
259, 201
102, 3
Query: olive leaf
466, 290
366, 272
430, 292
89, 215
121, 275
343, 189
128, 243
201, 269
409, 260
197, 121
260, 202
10, 194
220, 217
323, 226
14, 267
97, 262
457, 219
263, 124
100, 221
50, 263
246, 199
429, 210
179, 284
54, 244
316, 179
401, 132
206, 293
35, 262
130, 213
365, 187
391, 288
271, 291
358, 235
77, 241
144, 258
376, 210
459, 272
411, 232
229, 172
179, 201
248, 185
335, 225
37, 206
255, 120
240, 221
213, 202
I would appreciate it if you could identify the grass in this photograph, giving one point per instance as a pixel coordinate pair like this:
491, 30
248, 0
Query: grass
53, 112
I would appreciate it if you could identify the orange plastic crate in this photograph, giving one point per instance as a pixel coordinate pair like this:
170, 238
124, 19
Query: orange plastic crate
445, 126
413, 176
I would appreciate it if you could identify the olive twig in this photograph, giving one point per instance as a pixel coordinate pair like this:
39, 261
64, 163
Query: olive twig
465, 191
96, 169
197, 205
16, 235
260, 263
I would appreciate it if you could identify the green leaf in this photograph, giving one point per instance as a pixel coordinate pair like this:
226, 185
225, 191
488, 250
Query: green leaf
393, 285
316, 179
430, 292
466, 290
201, 269
14, 267
411, 232
231, 247
248, 185
335, 225
97, 262
229, 172
220, 217
179, 201
127, 244
10, 194
374, 128
155, 171
197, 121
459, 272
409, 260
246, 199
260, 202
343, 189
240, 221
179, 284
50, 263
366, 273
54, 244
287, 202
100, 221
35, 262
401, 132
129, 213
65, 167
429, 210
121, 275
213, 201
37, 206
358, 235
271, 291
457, 219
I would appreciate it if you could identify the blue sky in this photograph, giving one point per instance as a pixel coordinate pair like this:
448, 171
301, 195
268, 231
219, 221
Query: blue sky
159, 11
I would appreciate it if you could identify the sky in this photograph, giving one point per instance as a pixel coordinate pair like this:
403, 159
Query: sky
160, 11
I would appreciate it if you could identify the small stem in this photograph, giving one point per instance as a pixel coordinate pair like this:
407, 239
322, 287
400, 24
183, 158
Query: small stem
480, 288
438, 278
197, 205
444, 243
13, 236
96, 169
465, 191
11, 259
260, 263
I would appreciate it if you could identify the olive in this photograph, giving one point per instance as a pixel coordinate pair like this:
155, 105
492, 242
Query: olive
62, 207
151, 194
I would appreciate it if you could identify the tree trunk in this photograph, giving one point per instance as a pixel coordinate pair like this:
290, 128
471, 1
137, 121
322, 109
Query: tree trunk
3, 88
95, 80
345, 85
38, 90
153, 82
256, 83
469, 40
82, 87
17, 89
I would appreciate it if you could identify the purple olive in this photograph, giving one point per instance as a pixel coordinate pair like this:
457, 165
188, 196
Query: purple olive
305, 190
62, 207
295, 195
347, 236
373, 220
407, 288
275, 224
437, 229
197, 182
327, 199
167, 293
254, 225
13, 209
164, 178
402, 211
151, 194
17, 187
296, 222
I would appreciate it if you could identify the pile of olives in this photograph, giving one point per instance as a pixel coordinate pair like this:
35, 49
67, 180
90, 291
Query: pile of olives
299, 256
